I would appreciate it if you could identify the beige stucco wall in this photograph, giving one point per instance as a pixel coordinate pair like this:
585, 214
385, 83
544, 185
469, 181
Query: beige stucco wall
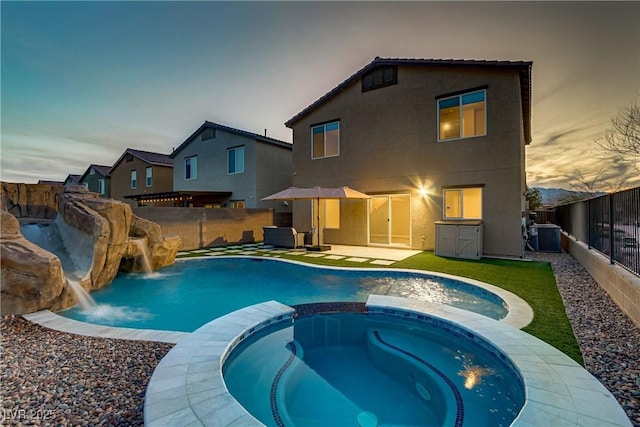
121, 180
388, 144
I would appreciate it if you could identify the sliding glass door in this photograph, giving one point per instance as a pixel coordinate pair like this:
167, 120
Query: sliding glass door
390, 220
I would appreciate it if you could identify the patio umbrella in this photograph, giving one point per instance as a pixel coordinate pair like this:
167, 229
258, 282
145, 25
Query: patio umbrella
317, 193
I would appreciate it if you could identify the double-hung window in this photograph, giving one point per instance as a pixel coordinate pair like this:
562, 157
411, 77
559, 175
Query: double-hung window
191, 167
462, 116
101, 186
134, 178
463, 203
149, 176
235, 160
325, 140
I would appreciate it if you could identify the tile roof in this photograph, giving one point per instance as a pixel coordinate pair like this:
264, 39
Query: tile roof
151, 158
523, 67
157, 159
208, 124
101, 169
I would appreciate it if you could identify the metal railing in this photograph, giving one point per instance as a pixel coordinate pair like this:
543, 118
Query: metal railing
610, 224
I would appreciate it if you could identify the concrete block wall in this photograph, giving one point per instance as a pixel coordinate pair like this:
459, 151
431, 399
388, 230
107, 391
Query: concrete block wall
206, 227
622, 286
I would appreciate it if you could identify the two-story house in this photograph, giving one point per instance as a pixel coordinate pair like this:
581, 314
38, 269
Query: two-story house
429, 140
96, 178
220, 166
143, 178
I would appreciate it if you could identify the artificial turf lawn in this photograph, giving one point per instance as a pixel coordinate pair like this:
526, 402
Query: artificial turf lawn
532, 281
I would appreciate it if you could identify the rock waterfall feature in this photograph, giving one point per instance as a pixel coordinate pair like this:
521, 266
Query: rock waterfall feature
88, 241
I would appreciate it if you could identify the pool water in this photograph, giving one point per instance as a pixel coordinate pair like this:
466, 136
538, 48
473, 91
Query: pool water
348, 369
188, 294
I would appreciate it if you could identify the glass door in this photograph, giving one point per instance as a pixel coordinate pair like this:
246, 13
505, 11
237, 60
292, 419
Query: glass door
390, 220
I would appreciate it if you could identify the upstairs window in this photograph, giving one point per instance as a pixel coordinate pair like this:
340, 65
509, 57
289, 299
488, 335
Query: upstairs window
149, 176
191, 167
134, 179
208, 133
235, 160
101, 186
462, 116
463, 203
325, 140
380, 77
92, 171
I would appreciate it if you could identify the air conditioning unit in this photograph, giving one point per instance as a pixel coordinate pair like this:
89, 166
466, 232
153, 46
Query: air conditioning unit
548, 238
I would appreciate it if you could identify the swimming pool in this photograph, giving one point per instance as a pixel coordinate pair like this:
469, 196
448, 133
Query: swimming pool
348, 369
190, 293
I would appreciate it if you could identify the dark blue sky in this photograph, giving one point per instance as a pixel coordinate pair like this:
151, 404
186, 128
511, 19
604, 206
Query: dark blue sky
82, 81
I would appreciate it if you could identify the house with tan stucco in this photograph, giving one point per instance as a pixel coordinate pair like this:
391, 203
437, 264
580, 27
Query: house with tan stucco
439, 145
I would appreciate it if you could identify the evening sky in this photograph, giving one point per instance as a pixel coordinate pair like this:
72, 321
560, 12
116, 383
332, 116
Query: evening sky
83, 81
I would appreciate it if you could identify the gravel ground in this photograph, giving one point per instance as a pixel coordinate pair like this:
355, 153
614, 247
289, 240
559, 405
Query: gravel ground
51, 378
609, 340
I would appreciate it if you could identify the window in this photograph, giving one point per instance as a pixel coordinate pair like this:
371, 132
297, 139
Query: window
462, 116
235, 160
101, 187
92, 171
236, 204
191, 167
134, 179
330, 213
325, 140
380, 77
149, 176
463, 203
128, 158
208, 133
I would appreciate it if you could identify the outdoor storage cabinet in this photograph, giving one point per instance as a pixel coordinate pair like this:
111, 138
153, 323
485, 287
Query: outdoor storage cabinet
459, 239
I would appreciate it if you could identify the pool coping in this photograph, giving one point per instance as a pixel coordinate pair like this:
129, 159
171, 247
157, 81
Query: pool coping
187, 387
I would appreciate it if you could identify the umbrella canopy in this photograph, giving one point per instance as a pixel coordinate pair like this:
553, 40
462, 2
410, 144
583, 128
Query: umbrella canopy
317, 193
298, 193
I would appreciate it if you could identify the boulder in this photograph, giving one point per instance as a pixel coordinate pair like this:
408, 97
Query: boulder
31, 200
32, 278
161, 250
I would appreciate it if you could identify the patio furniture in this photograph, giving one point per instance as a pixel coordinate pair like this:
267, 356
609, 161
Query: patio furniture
286, 237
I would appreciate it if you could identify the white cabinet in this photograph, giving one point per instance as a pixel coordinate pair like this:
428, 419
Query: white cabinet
459, 239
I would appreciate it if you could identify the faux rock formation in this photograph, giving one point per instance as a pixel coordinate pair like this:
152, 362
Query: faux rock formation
31, 200
32, 278
92, 236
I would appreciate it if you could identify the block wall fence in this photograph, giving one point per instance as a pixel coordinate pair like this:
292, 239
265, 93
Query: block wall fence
206, 227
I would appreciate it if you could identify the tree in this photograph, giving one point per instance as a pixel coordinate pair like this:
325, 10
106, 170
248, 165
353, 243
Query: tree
534, 197
621, 142
602, 181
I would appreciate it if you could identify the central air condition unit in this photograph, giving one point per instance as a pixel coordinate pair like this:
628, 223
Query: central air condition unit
548, 238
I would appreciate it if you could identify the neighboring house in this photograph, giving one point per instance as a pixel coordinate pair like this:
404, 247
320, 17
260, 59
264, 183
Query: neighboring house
142, 178
219, 166
72, 179
97, 179
429, 140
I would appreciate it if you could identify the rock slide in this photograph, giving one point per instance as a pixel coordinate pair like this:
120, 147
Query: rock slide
69, 234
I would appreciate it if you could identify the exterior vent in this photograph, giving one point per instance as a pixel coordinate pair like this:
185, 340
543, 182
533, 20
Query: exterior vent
380, 77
